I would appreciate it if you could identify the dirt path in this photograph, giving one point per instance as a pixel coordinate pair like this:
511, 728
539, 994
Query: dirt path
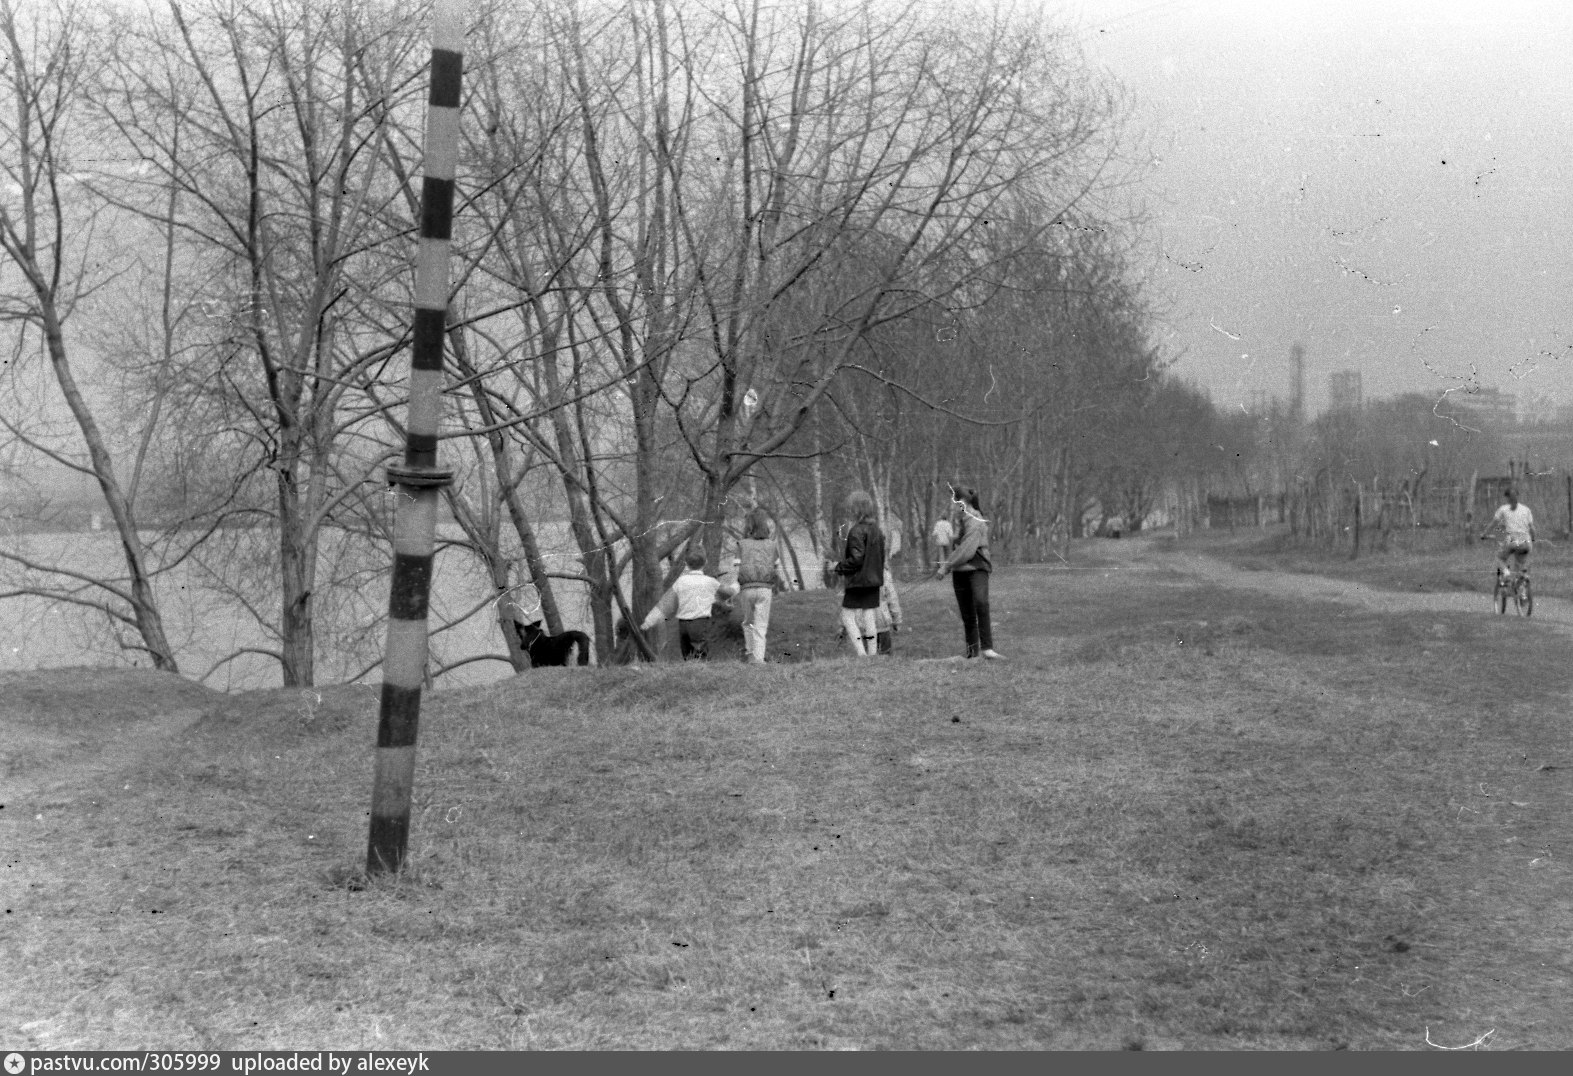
1159, 553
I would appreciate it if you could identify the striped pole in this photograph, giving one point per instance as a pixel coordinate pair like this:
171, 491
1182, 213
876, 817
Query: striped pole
418, 480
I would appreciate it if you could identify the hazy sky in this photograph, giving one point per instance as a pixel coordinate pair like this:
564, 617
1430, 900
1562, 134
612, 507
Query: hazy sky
1386, 183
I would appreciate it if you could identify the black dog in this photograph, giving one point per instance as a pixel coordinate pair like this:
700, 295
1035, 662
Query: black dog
547, 649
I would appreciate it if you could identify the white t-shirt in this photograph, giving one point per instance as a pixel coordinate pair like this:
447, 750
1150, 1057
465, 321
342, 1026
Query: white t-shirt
691, 598
943, 535
1515, 523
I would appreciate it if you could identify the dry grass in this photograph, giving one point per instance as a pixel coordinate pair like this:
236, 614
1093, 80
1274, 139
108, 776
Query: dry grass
1169, 821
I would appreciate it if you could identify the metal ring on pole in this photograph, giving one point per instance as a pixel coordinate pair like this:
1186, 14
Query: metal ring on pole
419, 477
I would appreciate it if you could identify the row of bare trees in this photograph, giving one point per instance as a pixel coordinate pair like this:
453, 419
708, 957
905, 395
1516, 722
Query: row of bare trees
1412, 460
711, 252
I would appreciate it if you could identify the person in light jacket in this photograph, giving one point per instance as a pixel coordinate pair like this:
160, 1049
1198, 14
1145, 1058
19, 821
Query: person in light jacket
969, 567
758, 570
943, 536
862, 565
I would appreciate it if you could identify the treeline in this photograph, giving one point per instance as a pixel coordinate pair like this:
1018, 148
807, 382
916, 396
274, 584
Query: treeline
1396, 464
709, 254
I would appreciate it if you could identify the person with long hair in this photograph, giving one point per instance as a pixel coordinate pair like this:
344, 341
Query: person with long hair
969, 567
758, 568
862, 565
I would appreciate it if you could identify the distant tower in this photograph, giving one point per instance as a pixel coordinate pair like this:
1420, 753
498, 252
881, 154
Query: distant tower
1297, 398
1343, 391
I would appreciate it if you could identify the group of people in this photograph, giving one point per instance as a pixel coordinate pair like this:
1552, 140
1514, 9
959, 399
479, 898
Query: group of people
870, 605
694, 594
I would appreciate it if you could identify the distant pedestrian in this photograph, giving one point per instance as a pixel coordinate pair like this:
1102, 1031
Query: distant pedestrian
943, 535
759, 569
862, 565
690, 600
887, 617
970, 568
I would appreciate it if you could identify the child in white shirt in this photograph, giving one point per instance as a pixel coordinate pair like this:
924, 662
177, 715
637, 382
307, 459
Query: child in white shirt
690, 600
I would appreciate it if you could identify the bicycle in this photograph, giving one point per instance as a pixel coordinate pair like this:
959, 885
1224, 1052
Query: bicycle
1513, 583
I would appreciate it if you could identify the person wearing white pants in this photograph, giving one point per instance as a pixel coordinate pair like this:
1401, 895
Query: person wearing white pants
758, 568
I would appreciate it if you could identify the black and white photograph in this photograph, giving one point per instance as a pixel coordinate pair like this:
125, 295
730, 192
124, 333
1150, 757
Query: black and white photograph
783, 526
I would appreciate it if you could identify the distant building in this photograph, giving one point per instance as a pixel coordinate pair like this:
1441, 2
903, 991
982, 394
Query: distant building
1491, 409
1343, 391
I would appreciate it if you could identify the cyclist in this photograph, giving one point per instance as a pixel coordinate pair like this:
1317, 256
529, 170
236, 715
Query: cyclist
1518, 533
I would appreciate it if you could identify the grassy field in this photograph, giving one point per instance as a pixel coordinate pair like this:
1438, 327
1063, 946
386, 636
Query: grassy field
1174, 819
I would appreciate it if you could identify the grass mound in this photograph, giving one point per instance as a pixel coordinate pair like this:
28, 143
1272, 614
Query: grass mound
91, 697
56, 717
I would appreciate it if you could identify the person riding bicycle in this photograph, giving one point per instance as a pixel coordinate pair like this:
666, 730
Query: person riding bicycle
1518, 533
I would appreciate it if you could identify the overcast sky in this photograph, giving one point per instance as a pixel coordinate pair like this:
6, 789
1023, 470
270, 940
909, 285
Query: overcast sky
1386, 183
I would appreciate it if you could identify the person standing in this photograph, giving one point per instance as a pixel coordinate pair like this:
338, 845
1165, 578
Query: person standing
943, 535
862, 565
758, 569
969, 567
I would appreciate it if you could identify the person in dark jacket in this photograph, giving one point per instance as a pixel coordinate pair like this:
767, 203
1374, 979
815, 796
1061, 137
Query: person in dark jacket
969, 567
862, 565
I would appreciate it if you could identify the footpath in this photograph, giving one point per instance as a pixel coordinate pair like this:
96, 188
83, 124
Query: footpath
1159, 552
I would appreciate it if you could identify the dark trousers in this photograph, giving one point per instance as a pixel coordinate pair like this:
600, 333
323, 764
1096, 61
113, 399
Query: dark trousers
693, 638
972, 600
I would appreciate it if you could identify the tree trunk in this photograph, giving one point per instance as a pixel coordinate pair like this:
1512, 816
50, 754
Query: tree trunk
35, 141
297, 642
144, 606
819, 533
508, 488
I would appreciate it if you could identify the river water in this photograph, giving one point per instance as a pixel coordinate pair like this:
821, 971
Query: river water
205, 626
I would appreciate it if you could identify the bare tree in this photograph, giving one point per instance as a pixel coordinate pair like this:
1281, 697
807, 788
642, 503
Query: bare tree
48, 232
741, 199
266, 119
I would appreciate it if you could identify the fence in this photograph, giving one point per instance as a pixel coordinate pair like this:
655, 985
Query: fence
1373, 519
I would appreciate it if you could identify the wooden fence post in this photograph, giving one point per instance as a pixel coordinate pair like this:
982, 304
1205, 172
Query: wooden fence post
1355, 553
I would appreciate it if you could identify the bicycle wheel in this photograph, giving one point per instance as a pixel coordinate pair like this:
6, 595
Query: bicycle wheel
1499, 596
1525, 597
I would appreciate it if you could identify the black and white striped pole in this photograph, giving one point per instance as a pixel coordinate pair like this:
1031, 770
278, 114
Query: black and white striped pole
418, 480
